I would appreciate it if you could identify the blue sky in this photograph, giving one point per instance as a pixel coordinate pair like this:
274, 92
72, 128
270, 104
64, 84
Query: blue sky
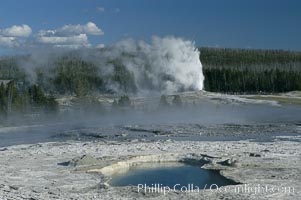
269, 24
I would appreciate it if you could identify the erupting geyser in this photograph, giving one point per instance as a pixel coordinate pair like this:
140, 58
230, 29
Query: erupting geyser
166, 64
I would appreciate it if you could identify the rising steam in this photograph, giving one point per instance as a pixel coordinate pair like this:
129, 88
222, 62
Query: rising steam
168, 64
164, 65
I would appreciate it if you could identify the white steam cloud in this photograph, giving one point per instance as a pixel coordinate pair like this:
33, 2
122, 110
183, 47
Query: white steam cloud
163, 65
166, 64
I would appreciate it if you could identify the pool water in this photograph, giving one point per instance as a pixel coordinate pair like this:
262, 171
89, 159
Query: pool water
169, 174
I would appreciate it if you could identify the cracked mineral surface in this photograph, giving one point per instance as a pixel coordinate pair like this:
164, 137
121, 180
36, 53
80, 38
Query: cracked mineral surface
68, 170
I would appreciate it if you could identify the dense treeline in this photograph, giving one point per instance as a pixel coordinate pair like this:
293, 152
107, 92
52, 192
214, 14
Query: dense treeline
251, 71
225, 70
24, 100
248, 81
75, 76
68, 75
11, 70
224, 57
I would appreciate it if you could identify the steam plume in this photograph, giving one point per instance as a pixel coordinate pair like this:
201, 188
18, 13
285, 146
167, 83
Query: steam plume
165, 65
170, 64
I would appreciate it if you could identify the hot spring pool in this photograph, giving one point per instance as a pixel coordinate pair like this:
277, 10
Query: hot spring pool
169, 174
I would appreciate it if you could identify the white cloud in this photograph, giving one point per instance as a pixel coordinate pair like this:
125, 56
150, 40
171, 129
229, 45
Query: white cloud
73, 36
11, 36
17, 31
8, 41
71, 46
81, 39
100, 9
90, 28
46, 33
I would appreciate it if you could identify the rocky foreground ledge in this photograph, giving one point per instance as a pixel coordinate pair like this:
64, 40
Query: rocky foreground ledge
71, 170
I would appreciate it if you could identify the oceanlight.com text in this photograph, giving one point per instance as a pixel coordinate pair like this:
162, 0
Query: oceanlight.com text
190, 188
